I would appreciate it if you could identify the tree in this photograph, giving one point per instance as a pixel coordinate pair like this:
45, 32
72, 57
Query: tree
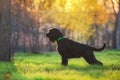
118, 25
116, 34
113, 7
28, 26
5, 31
76, 16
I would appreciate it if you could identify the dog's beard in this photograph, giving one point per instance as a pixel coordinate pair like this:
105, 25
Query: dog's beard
51, 40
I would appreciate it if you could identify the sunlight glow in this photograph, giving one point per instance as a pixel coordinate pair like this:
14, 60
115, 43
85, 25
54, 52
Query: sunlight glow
37, 3
68, 5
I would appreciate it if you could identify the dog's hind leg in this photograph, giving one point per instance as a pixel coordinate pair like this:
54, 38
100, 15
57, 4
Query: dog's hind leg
64, 61
92, 60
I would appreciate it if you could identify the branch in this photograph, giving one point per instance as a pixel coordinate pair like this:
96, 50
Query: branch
119, 6
113, 8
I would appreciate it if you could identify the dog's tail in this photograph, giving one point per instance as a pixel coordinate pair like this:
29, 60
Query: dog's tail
99, 49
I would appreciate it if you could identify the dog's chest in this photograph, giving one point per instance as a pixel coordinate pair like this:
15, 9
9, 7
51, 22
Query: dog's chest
62, 49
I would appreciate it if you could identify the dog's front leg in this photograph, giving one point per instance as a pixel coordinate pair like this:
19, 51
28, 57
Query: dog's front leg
64, 61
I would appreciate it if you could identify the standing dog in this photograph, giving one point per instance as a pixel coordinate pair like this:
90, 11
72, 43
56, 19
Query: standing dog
70, 49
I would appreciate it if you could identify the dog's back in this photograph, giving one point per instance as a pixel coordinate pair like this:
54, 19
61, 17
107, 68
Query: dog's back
71, 48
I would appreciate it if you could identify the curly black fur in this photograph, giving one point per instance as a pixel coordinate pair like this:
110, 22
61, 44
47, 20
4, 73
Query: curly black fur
70, 49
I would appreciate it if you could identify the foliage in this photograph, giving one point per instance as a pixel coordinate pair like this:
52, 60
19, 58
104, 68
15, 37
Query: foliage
73, 15
76, 15
85, 21
47, 67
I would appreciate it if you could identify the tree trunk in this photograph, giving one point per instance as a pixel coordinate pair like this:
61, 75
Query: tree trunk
115, 32
118, 30
5, 31
115, 37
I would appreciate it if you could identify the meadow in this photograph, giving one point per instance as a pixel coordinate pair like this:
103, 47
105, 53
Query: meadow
47, 66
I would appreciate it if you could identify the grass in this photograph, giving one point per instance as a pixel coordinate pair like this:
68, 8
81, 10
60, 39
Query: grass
48, 67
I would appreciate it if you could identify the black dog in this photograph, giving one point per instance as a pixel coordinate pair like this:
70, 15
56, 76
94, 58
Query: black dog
71, 49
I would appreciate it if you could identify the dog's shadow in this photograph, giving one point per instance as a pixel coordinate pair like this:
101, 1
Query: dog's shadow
94, 67
94, 70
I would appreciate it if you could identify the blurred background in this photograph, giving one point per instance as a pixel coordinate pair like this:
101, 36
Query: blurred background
87, 21
24, 23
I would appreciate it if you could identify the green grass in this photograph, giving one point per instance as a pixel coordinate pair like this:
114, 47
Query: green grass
48, 67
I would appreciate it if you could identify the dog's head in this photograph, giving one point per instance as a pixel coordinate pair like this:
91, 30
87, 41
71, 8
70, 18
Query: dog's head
54, 34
